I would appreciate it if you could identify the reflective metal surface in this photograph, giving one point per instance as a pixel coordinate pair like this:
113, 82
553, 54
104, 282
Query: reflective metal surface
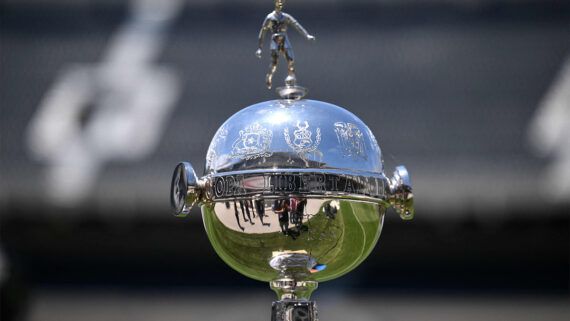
184, 190
297, 310
294, 191
274, 239
291, 134
402, 197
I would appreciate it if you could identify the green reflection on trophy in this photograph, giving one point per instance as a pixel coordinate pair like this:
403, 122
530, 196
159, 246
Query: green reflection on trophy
329, 239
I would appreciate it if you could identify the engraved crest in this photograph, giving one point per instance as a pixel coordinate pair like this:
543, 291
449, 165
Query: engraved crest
351, 139
302, 141
254, 141
220, 137
376, 149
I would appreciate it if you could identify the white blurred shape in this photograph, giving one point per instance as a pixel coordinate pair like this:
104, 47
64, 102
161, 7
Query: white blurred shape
550, 136
115, 110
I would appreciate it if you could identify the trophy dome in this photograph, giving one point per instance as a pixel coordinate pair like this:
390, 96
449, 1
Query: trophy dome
293, 134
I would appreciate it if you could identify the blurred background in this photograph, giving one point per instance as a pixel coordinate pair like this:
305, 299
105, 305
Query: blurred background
101, 98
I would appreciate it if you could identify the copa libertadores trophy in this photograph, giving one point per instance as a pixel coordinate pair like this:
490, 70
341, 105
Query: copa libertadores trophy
294, 191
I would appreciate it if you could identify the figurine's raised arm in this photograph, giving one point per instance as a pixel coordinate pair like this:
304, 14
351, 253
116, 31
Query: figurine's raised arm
262, 32
298, 26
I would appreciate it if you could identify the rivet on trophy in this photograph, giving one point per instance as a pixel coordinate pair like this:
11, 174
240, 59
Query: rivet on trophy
294, 191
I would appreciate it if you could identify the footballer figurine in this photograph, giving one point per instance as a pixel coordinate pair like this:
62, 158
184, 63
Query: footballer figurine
277, 22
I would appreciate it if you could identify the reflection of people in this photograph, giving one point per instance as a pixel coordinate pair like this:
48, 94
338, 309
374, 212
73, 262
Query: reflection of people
260, 208
281, 208
246, 211
300, 212
277, 22
297, 207
293, 208
249, 204
237, 214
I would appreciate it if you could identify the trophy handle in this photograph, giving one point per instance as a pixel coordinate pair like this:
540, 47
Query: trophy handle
185, 189
402, 198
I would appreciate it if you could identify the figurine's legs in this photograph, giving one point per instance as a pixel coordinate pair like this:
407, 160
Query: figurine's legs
291, 79
272, 67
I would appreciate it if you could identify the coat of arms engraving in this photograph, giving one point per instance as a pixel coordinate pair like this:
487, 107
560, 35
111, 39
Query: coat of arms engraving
302, 141
376, 150
254, 141
219, 138
351, 139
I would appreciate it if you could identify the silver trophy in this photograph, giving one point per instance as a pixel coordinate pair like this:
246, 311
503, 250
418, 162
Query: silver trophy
294, 191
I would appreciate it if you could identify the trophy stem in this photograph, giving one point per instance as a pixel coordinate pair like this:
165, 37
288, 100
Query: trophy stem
293, 303
294, 310
291, 289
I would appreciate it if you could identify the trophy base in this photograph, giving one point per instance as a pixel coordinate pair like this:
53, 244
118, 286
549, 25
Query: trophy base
292, 92
294, 310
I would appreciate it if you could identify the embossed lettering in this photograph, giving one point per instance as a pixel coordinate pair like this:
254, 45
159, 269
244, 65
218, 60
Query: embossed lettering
304, 181
369, 190
219, 187
381, 187
267, 186
348, 188
376, 189
334, 182
291, 183
318, 183
361, 186
230, 185
239, 185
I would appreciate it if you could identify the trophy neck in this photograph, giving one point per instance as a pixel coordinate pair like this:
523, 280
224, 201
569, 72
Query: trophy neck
292, 91
291, 289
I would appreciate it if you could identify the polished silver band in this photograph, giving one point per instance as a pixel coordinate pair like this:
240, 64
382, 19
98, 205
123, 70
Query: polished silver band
283, 183
301, 183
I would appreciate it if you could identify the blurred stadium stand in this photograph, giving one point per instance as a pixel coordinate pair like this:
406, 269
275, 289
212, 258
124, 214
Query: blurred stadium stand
100, 99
